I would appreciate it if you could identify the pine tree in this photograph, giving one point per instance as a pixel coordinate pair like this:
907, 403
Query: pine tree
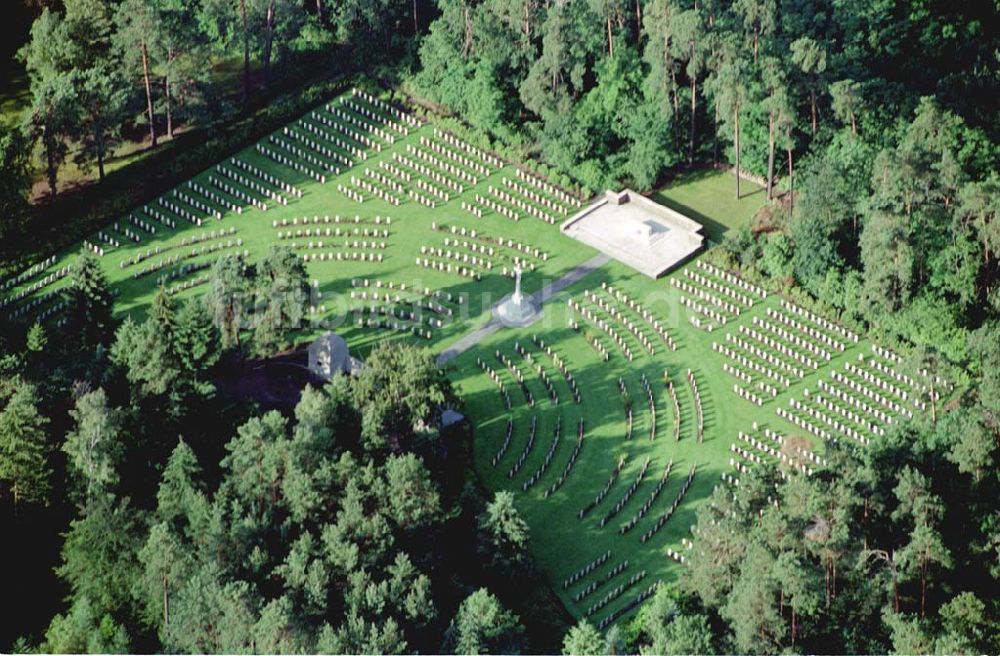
164, 314
146, 356
36, 342
410, 591
583, 640
922, 509
728, 84
89, 313
196, 338
483, 626
98, 555
889, 261
357, 635
180, 498
36, 339
503, 534
412, 495
778, 107
751, 607
166, 564
797, 582
810, 56
256, 462
82, 630
138, 27
975, 444
209, 614
24, 448
688, 38
846, 102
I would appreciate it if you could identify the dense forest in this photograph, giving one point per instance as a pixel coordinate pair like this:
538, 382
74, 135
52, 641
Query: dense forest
344, 524
193, 521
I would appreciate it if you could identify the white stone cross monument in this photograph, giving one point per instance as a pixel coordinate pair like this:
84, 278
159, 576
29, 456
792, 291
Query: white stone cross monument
517, 309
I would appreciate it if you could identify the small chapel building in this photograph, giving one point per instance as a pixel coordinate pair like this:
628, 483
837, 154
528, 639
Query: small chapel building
329, 355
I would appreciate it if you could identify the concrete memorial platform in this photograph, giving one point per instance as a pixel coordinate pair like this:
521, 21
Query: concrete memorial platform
636, 231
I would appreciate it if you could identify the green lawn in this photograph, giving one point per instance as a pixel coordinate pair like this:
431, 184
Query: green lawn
15, 99
561, 542
709, 196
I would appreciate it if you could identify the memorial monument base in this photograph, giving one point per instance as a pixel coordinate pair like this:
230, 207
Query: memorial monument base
516, 310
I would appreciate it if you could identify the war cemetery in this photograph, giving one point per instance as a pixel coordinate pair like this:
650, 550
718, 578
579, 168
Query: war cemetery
613, 372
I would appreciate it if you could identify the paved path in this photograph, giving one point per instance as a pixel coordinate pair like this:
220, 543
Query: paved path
469, 340
575, 274
539, 298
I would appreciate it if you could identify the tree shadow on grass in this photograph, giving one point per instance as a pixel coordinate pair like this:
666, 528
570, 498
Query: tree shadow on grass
714, 230
565, 543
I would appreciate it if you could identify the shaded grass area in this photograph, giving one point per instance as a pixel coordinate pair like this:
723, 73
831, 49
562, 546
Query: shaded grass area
15, 97
226, 79
137, 173
709, 197
563, 543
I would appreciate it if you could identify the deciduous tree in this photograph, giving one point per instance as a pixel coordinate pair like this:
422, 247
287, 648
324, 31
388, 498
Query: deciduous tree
53, 107
102, 97
669, 628
399, 392
230, 282
282, 291
94, 446
15, 181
